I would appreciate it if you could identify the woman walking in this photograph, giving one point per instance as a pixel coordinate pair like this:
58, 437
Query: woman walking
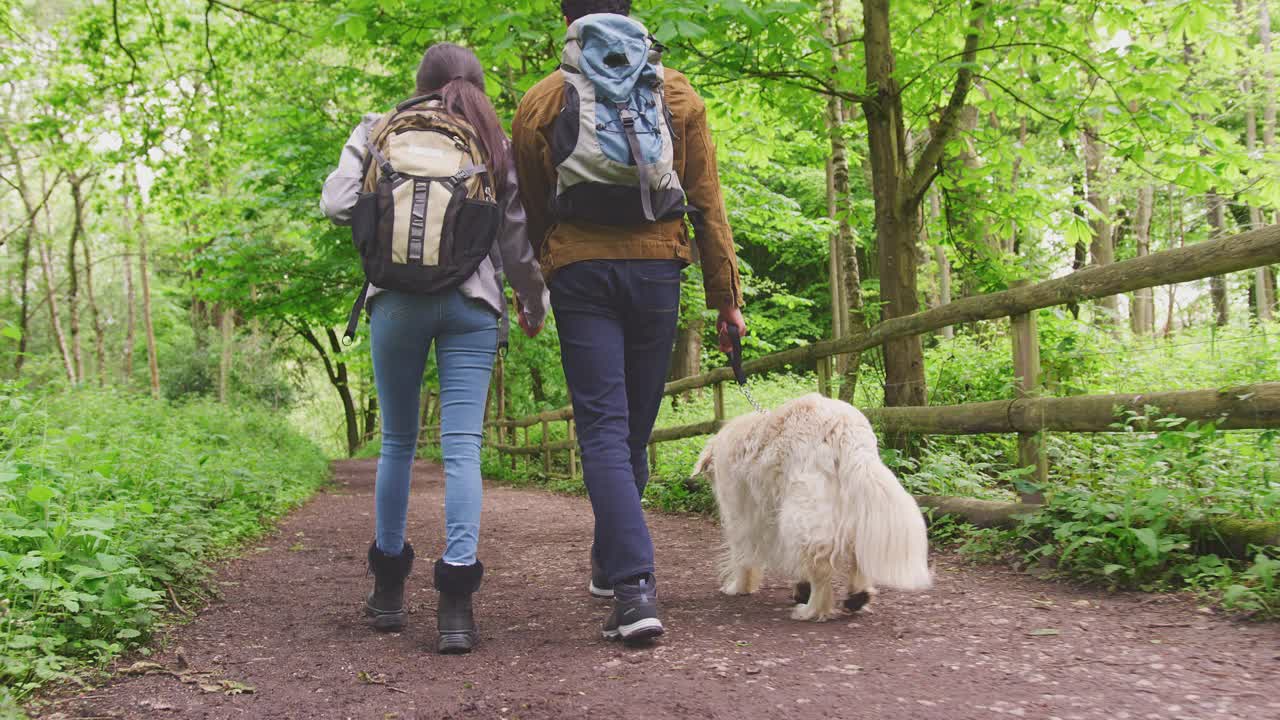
462, 321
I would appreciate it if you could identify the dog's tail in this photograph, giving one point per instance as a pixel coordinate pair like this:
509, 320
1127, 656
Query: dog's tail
890, 542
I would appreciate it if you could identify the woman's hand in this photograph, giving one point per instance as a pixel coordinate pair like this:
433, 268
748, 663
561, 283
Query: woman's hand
529, 332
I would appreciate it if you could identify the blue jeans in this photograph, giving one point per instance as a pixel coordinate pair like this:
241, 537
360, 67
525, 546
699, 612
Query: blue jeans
465, 333
617, 325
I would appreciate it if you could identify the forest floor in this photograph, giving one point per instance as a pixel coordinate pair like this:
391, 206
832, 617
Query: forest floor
286, 638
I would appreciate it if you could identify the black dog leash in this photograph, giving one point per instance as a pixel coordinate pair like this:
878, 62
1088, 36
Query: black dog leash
735, 361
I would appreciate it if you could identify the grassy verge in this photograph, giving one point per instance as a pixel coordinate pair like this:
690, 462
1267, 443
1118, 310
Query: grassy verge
110, 502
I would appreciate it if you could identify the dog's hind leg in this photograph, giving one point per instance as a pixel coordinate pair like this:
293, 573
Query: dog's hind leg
860, 591
821, 604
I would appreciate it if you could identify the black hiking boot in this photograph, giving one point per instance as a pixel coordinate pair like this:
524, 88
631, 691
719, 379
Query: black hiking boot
599, 587
634, 618
386, 603
457, 626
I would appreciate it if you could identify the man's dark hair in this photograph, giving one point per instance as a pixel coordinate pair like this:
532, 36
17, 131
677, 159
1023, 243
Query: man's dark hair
574, 9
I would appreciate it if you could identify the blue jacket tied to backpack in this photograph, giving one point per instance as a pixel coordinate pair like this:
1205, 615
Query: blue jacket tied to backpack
612, 142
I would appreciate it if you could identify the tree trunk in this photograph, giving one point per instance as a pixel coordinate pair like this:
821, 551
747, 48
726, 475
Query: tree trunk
73, 276
686, 357
130, 322
1217, 283
227, 326
1267, 275
144, 273
835, 136
846, 280
99, 332
32, 210
895, 231
898, 190
1101, 248
944, 264
55, 322
535, 380
337, 374
1142, 314
370, 420
1261, 290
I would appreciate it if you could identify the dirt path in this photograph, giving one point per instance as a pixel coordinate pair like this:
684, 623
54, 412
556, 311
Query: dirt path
984, 643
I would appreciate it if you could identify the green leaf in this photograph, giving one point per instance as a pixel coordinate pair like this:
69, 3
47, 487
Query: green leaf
690, 29
356, 28
40, 494
1147, 537
22, 641
11, 331
128, 634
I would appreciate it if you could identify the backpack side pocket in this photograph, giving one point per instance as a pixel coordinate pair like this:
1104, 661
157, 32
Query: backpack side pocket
364, 221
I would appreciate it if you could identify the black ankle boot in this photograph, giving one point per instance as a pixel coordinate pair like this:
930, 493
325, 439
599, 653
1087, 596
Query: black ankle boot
457, 626
386, 603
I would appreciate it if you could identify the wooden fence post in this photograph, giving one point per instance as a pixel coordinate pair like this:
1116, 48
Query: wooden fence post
525, 444
1026, 368
824, 377
546, 451
717, 395
573, 450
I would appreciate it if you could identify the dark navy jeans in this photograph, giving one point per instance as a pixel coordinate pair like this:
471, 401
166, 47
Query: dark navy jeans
617, 325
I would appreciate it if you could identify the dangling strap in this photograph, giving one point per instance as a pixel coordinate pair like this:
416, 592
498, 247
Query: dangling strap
387, 170
642, 167
353, 320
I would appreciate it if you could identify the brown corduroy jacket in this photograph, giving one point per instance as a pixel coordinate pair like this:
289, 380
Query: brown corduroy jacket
561, 243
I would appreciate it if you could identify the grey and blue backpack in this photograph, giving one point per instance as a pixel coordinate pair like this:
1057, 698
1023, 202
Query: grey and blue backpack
612, 142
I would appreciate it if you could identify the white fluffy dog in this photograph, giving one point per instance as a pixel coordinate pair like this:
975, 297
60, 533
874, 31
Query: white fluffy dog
802, 490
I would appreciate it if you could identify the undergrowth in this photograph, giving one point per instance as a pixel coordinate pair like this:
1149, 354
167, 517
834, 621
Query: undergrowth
110, 503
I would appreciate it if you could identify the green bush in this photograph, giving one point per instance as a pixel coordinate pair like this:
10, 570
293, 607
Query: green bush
110, 501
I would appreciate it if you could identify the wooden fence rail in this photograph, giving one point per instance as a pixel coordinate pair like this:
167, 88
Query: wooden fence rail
1247, 407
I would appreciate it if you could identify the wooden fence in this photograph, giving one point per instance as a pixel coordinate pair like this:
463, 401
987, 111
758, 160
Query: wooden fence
1028, 414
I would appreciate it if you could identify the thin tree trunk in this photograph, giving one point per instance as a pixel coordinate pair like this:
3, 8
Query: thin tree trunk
1217, 283
1261, 291
1143, 310
846, 280
28, 240
130, 322
1101, 248
73, 285
835, 137
370, 420
46, 264
1268, 275
1079, 252
144, 271
99, 332
227, 325
944, 263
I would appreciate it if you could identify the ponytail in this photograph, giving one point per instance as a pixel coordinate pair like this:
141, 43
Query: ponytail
455, 73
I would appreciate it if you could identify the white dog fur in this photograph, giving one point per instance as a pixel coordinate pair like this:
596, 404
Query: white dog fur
802, 490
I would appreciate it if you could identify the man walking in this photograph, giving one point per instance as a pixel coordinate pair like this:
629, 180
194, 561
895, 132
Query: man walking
612, 151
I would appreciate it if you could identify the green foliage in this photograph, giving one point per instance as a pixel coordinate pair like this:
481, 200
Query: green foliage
1140, 541
109, 501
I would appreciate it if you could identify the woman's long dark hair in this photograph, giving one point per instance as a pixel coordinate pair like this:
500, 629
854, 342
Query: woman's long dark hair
457, 75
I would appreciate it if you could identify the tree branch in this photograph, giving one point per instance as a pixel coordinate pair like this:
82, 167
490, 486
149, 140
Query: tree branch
115, 24
927, 166
256, 16
306, 334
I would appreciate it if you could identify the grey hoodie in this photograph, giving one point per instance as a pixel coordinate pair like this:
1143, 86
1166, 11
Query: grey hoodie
512, 255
